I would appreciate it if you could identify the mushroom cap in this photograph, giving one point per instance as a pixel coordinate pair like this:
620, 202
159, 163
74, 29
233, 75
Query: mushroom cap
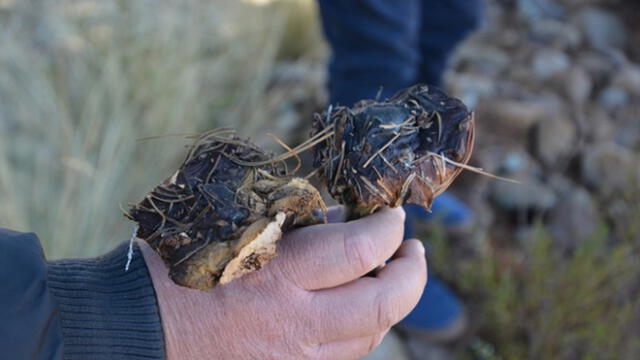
402, 150
221, 214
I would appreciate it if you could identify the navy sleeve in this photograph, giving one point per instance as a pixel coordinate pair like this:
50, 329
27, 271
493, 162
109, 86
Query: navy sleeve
75, 308
29, 320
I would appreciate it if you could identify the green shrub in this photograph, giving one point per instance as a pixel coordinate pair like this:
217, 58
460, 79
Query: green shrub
536, 303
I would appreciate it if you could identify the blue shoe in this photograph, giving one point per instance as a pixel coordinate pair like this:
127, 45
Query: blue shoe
446, 210
439, 315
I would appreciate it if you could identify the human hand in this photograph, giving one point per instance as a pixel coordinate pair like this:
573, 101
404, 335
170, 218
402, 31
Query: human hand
310, 302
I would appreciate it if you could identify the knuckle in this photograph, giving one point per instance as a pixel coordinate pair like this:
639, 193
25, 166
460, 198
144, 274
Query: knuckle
359, 251
399, 215
374, 342
385, 314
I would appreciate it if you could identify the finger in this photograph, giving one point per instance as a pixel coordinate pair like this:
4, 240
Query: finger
372, 304
350, 349
328, 255
336, 214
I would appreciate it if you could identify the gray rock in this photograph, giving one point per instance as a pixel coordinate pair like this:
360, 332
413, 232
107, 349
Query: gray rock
421, 350
599, 124
604, 30
613, 96
628, 128
610, 168
578, 85
471, 88
557, 33
530, 194
575, 217
629, 79
554, 140
548, 63
390, 348
599, 66
536, 9
484, 58
514, 118
514, 162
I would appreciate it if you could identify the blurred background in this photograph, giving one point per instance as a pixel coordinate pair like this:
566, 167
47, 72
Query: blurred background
551, 268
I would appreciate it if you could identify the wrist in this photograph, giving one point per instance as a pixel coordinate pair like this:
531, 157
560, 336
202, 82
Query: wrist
183, 313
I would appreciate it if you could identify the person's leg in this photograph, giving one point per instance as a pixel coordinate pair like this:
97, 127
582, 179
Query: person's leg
444, 25
439, 314
374, 44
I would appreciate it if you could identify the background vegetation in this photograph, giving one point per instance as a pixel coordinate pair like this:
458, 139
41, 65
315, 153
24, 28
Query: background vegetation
82, 82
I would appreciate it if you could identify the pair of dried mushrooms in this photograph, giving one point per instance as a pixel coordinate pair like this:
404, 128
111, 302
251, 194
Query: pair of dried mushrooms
222, 213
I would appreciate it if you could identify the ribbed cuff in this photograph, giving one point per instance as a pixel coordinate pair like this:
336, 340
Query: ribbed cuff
106, 312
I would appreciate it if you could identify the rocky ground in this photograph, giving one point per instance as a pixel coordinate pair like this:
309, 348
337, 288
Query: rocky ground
557, 90
556, 87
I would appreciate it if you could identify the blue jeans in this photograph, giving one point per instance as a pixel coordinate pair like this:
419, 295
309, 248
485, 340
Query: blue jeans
382, 46
392, 43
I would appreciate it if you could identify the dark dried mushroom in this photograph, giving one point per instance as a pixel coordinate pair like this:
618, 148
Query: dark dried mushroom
409, 149
221, 214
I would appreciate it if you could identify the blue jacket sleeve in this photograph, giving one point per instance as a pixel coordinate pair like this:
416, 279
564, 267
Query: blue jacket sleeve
75, 308
30, 326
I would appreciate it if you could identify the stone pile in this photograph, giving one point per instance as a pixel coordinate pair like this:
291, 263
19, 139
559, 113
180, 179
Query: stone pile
556, 86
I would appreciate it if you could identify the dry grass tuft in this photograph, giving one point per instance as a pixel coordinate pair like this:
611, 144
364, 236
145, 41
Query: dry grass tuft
83, 81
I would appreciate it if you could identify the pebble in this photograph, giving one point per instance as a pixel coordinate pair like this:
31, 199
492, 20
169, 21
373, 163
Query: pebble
603, 29
470, 88
535, 10
599, 124
557, 33
613, 96
420, 350
514, 163
555, 139
390, 348
575, 217
610, 168
599, 67
513, 117
530, 194
629, 79
627, 129
548, 63
486, 59
578, 85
